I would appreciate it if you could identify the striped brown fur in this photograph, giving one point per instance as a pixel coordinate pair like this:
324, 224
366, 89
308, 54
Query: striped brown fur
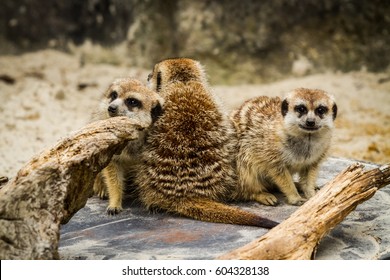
279, 138
187, 161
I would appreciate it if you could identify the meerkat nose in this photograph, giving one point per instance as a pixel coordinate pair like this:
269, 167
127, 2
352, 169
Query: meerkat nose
112, 109
310, 123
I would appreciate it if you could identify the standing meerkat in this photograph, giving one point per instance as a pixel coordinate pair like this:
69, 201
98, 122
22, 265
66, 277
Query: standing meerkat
278, 139
125, 97
187, 163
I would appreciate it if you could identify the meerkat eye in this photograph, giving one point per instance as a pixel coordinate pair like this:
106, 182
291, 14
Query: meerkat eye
301, 109
321, 110
113, 95
150, 76
133, 103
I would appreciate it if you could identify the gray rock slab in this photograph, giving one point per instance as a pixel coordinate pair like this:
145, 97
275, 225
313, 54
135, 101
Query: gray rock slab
138, 234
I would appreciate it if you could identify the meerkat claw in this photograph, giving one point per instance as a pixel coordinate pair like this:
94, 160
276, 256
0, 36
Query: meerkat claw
112, 211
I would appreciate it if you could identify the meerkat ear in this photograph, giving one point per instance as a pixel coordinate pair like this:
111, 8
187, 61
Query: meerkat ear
284, 107
157, 111
334, 110
158, 82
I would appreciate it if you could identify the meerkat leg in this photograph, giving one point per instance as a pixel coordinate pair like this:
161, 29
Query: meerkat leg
286, 185
255, 190
308, 181
114, 180
99, 187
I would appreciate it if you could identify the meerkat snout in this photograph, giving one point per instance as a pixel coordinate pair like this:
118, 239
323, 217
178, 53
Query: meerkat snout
132, 104
311, 123
123, 107
112, 110
309, 115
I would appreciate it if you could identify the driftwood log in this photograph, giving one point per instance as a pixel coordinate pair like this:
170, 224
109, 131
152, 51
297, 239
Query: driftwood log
298, 236
54, 185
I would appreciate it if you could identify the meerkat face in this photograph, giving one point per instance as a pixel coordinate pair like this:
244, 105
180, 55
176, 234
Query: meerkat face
130, 98
308, 111
175, 70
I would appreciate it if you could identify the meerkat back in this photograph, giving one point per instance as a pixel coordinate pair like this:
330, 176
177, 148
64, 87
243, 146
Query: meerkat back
187, 167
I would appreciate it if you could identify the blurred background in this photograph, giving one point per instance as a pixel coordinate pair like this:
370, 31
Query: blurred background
238, 40
58, 57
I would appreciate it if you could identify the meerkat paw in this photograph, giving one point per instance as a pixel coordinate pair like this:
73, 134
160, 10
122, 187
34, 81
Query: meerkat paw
102, 194
266, 199
99, 187
112, 211
310, 193
296, 200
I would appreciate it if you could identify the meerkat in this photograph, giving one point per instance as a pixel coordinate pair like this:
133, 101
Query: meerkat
281, 138
186, 162
125, 97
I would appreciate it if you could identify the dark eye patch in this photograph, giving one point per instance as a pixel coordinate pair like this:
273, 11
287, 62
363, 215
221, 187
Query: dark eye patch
321, 110
284, 107
300, 109
113, 95
334, 110
133, 103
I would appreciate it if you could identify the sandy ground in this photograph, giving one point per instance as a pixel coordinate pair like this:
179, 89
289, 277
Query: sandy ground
46, 95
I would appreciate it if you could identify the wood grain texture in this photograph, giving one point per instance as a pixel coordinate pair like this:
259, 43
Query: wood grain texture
298, 236
54, 185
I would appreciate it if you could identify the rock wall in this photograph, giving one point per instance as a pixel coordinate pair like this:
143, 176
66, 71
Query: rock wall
239, 41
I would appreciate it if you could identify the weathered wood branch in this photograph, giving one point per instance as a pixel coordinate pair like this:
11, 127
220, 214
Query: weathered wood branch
54, 185
298, 236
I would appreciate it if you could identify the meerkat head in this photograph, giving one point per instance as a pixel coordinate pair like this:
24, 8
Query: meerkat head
129, 97
308, 111
176, 70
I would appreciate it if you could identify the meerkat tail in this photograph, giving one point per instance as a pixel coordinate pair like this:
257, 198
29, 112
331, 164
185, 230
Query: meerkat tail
211, 211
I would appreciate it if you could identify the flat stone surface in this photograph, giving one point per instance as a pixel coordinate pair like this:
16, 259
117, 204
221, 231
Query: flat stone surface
137, 234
